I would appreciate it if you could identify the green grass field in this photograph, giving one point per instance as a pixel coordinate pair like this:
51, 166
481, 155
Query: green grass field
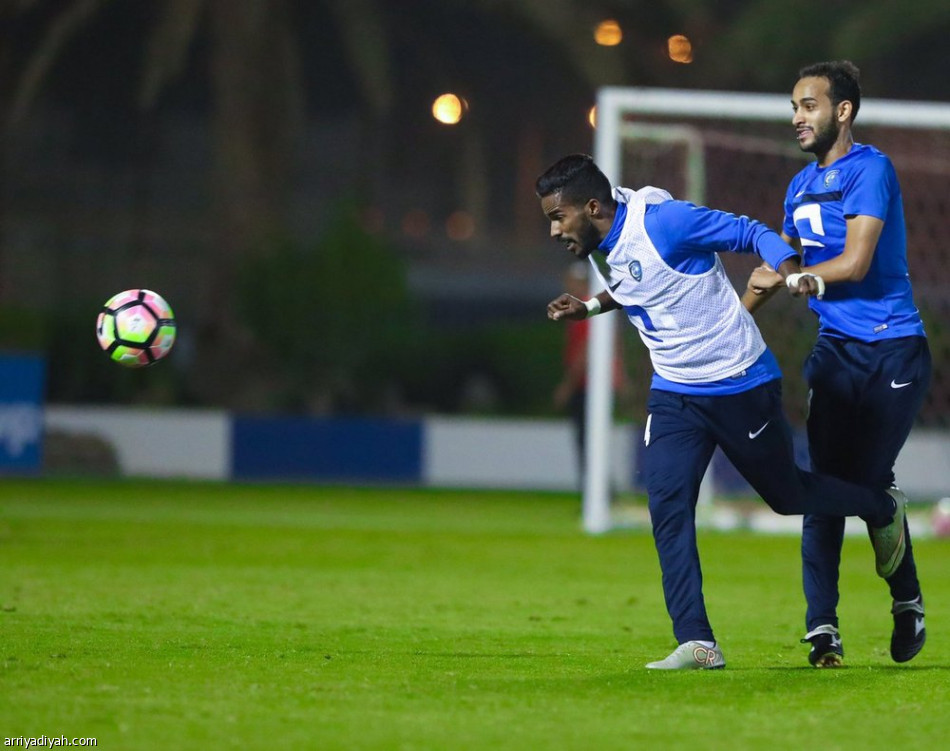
186, 616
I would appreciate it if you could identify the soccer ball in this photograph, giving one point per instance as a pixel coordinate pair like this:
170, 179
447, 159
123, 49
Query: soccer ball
136, 328
941, 518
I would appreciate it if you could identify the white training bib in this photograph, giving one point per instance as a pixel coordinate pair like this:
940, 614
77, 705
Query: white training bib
694, 325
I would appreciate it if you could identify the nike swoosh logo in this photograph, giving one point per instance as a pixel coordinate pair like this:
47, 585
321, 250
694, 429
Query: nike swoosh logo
613, 287
753, 436
896, 385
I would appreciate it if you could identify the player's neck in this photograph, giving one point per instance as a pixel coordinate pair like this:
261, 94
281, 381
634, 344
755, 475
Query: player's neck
838, 149
605, 220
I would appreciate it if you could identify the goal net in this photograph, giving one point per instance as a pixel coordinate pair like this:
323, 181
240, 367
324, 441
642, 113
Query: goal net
737, 152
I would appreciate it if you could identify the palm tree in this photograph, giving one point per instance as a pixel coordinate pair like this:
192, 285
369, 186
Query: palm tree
762, 43
258, 89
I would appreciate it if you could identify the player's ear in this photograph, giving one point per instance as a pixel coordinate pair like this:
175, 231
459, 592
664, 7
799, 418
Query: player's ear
844, 111
593, 208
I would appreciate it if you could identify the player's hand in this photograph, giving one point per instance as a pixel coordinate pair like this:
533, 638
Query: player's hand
567, 308
764, 279
805, 284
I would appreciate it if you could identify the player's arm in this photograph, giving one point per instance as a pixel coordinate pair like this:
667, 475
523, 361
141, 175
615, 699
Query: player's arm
716, 231
569, 308
775, 250
764, 281
863, 233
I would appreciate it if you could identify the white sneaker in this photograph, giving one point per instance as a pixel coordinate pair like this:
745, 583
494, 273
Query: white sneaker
691, 655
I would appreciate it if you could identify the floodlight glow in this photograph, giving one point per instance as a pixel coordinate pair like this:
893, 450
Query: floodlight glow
460, 226
448, 109
608, 33
680, 49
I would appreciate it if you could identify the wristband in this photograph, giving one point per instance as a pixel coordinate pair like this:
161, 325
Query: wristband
593, 306
792, 281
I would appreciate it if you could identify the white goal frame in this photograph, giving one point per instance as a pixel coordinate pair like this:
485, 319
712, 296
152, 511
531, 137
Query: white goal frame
613, 104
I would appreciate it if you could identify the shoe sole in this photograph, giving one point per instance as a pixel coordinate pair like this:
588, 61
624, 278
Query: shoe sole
703, 658
830, 660
886, 570
910, 654
906, 657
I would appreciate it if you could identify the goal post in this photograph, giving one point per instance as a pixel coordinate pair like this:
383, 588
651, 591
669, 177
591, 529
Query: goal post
754, 131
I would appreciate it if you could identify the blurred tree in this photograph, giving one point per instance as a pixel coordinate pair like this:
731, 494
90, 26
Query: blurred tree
533, 63
337, 343
6, 95
257, 100
763, 43
256, 113
364, 33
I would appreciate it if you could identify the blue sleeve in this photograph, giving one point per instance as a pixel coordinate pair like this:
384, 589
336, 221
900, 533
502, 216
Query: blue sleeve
788, 223
868, 190
682, 230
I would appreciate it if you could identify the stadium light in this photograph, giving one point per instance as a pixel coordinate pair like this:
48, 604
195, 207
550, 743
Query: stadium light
608, 33
449, 108
680, 49
460, 226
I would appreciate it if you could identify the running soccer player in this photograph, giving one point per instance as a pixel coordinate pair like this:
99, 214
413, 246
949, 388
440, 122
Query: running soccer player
869, 370
715, 381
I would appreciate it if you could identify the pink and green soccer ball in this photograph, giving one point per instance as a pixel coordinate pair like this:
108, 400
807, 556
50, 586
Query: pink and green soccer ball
136, 328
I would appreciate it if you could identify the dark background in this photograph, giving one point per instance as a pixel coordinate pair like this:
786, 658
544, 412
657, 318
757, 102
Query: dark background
273, 169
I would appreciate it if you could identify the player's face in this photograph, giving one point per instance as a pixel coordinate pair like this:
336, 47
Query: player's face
571, 225
814, 118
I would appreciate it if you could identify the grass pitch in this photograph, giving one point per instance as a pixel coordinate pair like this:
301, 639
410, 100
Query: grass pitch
186, 616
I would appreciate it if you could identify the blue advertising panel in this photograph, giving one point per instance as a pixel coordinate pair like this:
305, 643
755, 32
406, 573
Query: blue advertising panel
22, 380
326, 449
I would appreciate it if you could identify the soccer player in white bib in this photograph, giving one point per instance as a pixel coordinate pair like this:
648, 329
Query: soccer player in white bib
715, 382
870, 368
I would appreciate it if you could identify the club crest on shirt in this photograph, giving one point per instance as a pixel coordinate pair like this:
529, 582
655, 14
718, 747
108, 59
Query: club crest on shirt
636, 270
832, 177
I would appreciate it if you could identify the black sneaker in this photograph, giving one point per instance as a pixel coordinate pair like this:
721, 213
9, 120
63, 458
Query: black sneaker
826, 649
909, 634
